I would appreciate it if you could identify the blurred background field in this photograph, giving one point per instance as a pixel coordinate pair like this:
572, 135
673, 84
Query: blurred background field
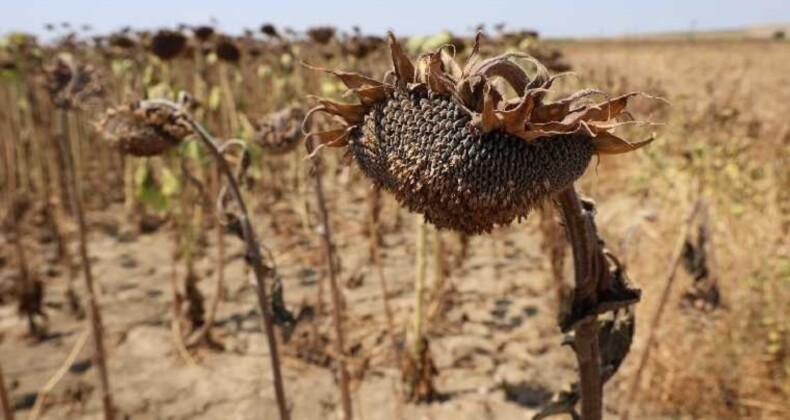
722, 349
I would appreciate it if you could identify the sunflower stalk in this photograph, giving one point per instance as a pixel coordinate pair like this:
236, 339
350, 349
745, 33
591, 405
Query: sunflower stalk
600, 287
419, 288
94, 314
418, 369
254, 258
337, 304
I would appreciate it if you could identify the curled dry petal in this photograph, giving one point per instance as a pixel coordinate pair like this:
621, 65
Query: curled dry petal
434, 76
350, 113
474, 56
473, 87
507, 70
350, 79
331, 138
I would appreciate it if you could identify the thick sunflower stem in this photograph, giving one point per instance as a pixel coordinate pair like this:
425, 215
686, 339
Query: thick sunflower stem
586, 250
337, 304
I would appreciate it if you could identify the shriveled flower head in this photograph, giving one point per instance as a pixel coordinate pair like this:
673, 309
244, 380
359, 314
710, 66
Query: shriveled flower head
121, 41
71, 84
167, 45
144, 128
360, 46
280, 132
321, 34
269, 30
227, 50
203, 32
448, 143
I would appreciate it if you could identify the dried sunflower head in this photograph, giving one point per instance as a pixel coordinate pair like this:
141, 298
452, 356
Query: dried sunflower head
321, 34
280, 132
148, 130
449, 144
167, 45
203, 32
71, 84
269, 30
360, 46
121, 41
227, 50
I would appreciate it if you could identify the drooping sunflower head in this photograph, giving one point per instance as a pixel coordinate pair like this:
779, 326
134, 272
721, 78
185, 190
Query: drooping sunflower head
279, 132
167, 44
227, 50
72, 84
203, 32
147, 129
448, 143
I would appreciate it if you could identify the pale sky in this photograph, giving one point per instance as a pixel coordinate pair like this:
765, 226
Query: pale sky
552, 18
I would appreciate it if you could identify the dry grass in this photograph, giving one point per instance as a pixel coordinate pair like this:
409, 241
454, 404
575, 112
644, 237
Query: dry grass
728, 141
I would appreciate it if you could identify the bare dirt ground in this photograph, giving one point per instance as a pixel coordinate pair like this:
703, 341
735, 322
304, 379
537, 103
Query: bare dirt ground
497, 346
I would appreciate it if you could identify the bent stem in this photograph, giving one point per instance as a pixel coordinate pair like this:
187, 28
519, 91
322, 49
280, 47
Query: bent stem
253, 251
586, 252
255, 259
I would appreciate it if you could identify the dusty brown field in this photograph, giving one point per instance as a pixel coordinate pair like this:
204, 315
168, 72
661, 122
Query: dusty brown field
492, 326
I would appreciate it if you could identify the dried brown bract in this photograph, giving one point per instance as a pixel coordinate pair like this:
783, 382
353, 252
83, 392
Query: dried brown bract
167, 45
280, 132
450, 145
144, 131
